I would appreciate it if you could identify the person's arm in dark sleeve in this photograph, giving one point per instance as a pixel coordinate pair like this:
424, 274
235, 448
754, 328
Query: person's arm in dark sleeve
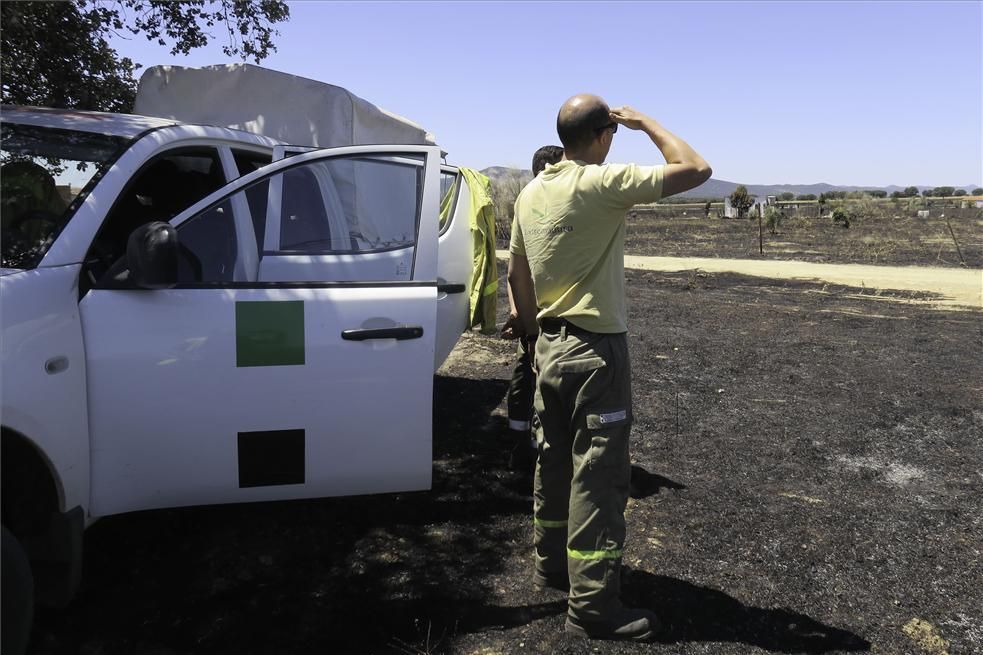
523, 293
513, 327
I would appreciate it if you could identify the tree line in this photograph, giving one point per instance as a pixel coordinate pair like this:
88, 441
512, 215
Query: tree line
909, 192
57, 54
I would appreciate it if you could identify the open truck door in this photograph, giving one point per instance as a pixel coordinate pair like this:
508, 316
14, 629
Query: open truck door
237, 383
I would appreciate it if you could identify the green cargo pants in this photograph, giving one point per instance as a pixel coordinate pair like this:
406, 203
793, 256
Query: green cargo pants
583, 402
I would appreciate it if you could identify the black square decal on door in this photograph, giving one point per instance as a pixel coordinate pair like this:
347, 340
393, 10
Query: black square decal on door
272, 457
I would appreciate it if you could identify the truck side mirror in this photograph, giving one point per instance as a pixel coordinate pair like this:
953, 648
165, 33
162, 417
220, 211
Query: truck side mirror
152, 256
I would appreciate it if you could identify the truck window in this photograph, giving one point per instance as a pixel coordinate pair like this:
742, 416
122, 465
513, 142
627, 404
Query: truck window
247, 161
256, 195
164, 187
448, 198
43, 173
209, 246
351, 204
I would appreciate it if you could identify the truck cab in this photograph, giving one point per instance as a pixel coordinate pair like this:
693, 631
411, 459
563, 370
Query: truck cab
195, 315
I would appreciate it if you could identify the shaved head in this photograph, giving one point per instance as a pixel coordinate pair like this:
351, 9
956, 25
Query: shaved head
579, 119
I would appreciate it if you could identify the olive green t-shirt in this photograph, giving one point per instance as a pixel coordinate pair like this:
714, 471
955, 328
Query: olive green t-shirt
570, 225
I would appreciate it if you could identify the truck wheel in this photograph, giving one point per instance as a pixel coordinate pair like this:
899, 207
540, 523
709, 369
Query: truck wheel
17, 584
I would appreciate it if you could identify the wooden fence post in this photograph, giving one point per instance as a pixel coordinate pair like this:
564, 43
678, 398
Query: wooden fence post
761, 239
953, 235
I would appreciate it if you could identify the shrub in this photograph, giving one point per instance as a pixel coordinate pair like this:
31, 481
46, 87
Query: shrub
504, 191
863, 209
773, 219
841, 217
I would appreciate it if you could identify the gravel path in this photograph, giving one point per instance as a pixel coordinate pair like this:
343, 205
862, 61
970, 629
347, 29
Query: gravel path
950, 288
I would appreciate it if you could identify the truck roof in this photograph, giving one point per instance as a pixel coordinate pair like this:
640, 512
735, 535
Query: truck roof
124, 125
128, 126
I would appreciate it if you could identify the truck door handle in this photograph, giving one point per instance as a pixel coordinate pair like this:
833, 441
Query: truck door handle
399, 333
451, 287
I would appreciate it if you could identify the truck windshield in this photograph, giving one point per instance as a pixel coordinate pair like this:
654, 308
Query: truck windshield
43, 173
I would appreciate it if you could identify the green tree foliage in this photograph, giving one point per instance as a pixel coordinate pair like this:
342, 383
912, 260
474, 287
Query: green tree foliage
773, 219
56, 54
910, 192
741, 201
897, 194
788, 195
978, 191
806, 196
876, 193
841, 217
959, 192
859, 210
941, 192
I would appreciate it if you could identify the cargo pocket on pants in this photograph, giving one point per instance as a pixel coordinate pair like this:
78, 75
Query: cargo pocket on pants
609, 438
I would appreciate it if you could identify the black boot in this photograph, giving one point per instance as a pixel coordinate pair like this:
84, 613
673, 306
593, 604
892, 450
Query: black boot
628, 623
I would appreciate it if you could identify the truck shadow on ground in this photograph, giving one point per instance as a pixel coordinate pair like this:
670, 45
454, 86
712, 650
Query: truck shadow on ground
374, 574
331, 575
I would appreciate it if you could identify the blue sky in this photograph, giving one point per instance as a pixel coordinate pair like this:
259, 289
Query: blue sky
871, 93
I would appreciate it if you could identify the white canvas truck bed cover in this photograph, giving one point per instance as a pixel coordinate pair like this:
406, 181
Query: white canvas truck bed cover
292, 109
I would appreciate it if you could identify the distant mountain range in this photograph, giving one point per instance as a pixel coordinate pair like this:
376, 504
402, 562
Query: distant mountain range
714, 188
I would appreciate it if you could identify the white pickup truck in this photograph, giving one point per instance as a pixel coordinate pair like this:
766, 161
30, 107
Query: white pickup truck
196, 315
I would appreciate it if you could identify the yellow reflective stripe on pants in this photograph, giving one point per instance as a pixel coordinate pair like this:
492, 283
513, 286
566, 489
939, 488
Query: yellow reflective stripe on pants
543, 523
594, 554
491, 288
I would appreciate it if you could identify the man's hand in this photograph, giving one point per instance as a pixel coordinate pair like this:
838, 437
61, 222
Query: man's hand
512, 328
630, 118
685, 169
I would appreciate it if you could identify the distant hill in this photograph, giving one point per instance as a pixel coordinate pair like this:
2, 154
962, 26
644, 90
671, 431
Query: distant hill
714, 188
499, 172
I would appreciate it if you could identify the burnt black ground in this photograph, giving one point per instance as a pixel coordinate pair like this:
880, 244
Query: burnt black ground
883, 239
812, 484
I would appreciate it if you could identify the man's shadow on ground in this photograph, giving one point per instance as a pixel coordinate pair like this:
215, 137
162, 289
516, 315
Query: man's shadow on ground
644, 484
690, 613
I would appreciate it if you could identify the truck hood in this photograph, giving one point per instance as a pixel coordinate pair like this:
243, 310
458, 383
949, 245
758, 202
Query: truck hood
10, 271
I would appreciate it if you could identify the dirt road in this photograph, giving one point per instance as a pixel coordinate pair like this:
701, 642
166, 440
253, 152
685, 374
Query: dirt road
948, 288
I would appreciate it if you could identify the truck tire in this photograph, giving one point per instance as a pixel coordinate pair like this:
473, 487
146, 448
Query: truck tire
17, 609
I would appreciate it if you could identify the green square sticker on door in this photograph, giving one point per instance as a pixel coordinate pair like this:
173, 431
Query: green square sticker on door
270, 333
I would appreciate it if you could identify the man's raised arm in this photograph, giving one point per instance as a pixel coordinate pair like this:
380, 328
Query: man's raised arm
685, 169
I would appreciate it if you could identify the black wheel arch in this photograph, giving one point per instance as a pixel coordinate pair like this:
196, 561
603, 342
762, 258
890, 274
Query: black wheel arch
29, 490
31, 503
